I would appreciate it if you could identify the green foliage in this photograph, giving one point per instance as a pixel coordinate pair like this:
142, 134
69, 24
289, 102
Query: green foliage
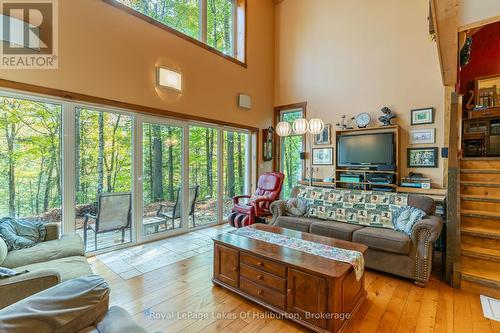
291, 148
183, 15
30, 157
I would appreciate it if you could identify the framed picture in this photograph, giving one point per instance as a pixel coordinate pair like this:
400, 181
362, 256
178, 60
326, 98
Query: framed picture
422, 116
323, 138
423, 157
421, 136
322, 156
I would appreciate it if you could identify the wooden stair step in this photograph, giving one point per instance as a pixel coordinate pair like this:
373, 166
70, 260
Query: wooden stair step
480, 213
480, 184
481, 171
481, 232
480, 278
478, 197
480, 252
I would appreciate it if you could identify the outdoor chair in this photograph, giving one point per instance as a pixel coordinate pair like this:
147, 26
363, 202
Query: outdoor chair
113, 213
257, 208
175, 213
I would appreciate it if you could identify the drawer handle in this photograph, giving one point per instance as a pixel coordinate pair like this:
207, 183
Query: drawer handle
235, 269
259, 277
289, 291
260, 292
260, 263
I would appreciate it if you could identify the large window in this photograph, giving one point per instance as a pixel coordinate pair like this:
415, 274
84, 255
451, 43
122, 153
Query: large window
290, 148
30, 160
217, 23
113, 176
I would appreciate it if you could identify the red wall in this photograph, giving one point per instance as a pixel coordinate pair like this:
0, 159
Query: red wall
485, 56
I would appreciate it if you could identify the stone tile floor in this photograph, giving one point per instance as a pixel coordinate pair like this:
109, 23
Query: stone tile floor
140, 259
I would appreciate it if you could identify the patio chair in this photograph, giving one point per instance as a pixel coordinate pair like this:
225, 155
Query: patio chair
113, 213
175, 213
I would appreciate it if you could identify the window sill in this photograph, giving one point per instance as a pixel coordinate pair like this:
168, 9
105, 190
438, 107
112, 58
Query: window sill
175, 32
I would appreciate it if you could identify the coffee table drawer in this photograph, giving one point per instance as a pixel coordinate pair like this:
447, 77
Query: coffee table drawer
267, 295
263, 264
263, 278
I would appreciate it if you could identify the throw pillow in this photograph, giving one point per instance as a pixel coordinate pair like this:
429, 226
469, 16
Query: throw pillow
20, 233
3, 250
405, 218
296, 207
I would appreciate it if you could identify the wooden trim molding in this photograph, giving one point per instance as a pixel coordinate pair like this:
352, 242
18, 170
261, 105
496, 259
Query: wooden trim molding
445, 19
179, 34
77, 97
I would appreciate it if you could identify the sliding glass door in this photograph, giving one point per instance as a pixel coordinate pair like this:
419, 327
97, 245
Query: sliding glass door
103, 177
203, 176
235, 168
162, 180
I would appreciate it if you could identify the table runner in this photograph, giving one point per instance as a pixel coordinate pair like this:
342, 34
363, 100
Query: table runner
354, 258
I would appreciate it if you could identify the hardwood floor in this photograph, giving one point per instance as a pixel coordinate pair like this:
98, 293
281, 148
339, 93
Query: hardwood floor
181, 298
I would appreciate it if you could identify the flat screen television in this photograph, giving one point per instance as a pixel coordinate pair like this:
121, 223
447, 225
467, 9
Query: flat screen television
365, 150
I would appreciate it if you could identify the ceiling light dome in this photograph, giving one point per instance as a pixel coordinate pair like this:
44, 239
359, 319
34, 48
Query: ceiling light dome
300, 126
316, 126
283, 128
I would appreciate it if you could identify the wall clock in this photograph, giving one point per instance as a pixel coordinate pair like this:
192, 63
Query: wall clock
363, 119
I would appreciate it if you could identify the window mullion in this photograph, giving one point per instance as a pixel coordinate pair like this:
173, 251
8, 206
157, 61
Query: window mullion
203, 22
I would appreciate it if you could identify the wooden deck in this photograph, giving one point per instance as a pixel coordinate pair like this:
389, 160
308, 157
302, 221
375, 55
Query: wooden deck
150, 225
159, 298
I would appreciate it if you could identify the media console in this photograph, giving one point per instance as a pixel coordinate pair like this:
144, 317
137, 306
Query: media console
369, 176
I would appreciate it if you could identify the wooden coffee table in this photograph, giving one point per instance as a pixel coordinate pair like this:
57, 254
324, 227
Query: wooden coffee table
319, 293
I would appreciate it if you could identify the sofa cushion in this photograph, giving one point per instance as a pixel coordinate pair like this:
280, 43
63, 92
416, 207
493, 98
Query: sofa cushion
295, 223
422, 202
332, 229
383, 239
68, 268
366, 208
66, 246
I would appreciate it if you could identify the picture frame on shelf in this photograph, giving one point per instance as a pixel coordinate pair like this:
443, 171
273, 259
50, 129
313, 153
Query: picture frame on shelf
422, 136
322, 156
324, 138
422, 157
422, 116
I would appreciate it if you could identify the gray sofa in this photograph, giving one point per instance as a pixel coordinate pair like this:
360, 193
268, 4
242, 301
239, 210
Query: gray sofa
48, 263
389, 250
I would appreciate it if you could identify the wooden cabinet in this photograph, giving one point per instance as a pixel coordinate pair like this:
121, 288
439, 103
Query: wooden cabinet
307, 297
226, 265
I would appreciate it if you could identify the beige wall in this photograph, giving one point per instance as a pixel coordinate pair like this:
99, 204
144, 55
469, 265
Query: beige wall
347, 57
477, 12
108, 53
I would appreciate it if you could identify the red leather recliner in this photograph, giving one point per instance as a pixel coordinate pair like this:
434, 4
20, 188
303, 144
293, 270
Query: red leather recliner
268, 190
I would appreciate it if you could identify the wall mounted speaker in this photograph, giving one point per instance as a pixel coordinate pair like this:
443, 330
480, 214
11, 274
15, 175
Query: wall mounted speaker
244, 101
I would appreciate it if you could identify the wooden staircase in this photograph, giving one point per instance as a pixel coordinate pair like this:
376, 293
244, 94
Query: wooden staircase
480, 226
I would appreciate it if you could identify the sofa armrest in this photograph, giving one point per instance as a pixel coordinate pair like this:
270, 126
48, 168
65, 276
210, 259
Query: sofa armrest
424, 233
18, 287
52, 231
277, 208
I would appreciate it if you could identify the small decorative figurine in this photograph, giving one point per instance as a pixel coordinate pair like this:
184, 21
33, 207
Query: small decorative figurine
386, 118
345, 123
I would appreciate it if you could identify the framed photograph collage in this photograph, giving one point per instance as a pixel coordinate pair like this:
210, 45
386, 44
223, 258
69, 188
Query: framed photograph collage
422, 157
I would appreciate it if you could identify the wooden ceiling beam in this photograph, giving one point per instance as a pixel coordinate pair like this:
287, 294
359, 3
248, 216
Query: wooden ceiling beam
445, 19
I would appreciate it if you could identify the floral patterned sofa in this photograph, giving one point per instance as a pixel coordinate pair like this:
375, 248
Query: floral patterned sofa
366, 217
